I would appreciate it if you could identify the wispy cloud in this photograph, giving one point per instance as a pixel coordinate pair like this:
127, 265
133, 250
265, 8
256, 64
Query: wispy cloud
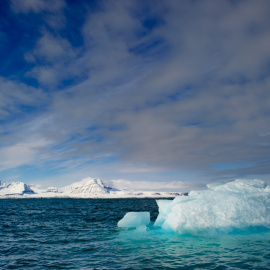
160, 86
15, 95
176, 186
20, 154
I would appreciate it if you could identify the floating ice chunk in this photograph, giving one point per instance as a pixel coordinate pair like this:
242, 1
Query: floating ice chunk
165, 207
240, 205
134, 219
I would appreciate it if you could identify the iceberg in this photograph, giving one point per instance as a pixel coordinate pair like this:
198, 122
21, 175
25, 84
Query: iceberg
238, 206
164, 207
135, 219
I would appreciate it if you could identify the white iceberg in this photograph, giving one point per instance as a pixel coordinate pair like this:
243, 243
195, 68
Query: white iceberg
164, 207
135, 220
241, 205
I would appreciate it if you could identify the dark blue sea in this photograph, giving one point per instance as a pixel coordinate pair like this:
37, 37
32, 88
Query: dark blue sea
83, 234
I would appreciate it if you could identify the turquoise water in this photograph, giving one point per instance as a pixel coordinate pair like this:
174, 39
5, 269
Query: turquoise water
83, 234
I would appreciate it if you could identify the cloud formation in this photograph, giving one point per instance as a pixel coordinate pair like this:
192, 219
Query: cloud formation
176, 186
139, 87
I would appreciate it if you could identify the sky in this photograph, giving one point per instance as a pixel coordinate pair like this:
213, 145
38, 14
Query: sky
148, 93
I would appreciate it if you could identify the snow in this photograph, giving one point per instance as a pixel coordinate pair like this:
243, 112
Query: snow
241, 205
53, 190
88, 186
15, 188
239, 185
135, 219
95, 188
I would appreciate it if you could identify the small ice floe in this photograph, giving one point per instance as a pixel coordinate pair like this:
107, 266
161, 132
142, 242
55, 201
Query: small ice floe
137, 220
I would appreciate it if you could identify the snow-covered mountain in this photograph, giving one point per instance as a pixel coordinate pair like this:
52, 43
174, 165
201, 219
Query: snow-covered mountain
15, 188
86, 188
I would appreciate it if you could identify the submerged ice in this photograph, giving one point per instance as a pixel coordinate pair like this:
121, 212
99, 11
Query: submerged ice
238, 206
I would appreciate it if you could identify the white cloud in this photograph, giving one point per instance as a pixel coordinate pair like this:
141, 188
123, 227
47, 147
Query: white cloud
13, 95
201, 96
57, 60
52, 48
209, 120
20, 154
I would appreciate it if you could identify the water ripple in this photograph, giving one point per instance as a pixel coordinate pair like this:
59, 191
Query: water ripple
83, 234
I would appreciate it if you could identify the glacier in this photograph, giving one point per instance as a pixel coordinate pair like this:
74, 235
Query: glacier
237, 206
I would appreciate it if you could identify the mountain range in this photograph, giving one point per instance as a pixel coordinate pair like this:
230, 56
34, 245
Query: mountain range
86, 188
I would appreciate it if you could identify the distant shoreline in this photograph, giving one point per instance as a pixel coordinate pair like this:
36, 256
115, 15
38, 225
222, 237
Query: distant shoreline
100, 198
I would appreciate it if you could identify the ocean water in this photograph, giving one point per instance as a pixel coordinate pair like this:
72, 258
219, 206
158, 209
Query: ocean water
83, 234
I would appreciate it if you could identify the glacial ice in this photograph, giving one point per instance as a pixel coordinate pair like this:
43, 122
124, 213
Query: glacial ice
135, 219
238, 206
164, 208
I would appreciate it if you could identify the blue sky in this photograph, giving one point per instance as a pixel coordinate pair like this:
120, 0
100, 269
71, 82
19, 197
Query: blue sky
164, 91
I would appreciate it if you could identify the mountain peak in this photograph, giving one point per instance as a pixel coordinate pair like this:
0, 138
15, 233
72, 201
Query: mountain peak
15, 188
87, 186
